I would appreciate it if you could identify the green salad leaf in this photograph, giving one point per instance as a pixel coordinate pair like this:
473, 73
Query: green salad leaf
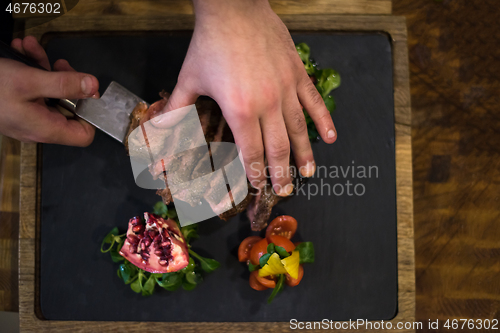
149, 286
306, 251
264, 259
252, 267
282, 252
193, 277
188, 286
304, 52
136, 286
160, 209
190, 232
326, 80
128, 272
111, 238
270, 248
170, 281
172, 214
207, 264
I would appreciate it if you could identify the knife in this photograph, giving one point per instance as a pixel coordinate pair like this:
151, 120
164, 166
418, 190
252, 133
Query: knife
110, 113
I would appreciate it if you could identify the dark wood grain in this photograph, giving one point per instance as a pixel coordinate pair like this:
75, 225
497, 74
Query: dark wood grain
393, 26
455, 85
9, 223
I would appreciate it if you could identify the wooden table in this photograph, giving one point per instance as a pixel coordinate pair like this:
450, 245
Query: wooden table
455, 85
30, 177
9, 223
455, 82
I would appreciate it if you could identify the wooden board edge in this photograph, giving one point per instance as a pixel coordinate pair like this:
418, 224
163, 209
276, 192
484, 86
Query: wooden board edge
395, 27
147, 8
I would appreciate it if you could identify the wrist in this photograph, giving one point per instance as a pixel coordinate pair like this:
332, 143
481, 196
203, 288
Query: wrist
221, 8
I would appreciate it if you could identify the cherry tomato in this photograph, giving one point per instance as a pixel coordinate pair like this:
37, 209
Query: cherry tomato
283, 225
290, 281
254, 283
266, 281
281, 241
245, 247
257, 251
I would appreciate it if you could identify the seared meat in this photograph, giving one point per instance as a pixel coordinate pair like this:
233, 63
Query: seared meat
195, 163
260, 206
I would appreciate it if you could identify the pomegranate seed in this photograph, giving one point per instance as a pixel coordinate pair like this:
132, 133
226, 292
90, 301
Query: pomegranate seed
132, 248
147, 241
138, 229
132, 239
158, 252
143, 246
153, 233
163, 262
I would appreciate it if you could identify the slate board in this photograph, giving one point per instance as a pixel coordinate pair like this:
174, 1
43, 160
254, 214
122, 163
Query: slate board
86, 192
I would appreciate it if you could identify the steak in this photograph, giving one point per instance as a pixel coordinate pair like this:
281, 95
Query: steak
194, 163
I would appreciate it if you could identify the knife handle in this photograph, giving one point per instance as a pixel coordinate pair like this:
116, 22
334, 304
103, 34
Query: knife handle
9, 53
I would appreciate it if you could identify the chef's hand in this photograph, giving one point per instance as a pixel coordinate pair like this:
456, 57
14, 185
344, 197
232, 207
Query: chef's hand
23, 113
242, 56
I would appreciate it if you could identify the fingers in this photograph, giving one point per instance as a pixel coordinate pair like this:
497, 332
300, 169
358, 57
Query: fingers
62, 65
315, 107
248, 137
72, 85
277, 149
299, 140
32, 120
181, 97
49, 126
17, 44
35, 51
65, 84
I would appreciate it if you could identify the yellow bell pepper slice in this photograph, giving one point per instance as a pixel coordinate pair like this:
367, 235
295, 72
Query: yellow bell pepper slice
273, 266
291, 264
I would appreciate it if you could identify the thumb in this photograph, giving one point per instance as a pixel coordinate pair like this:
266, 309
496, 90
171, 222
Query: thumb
175, 109
65, 84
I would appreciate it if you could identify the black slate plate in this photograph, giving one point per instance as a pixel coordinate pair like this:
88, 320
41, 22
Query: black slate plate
86, 192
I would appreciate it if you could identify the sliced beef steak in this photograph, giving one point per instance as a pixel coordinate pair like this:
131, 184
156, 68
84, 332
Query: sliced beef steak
193, 165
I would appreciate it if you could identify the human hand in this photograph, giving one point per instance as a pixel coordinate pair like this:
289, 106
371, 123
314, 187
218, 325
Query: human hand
23, 113
243, 56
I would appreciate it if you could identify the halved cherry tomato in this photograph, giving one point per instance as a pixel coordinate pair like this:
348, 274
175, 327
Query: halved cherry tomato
290, 281
281, 241
258, 250
254, 283
283, 225
246, 246
266, 281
